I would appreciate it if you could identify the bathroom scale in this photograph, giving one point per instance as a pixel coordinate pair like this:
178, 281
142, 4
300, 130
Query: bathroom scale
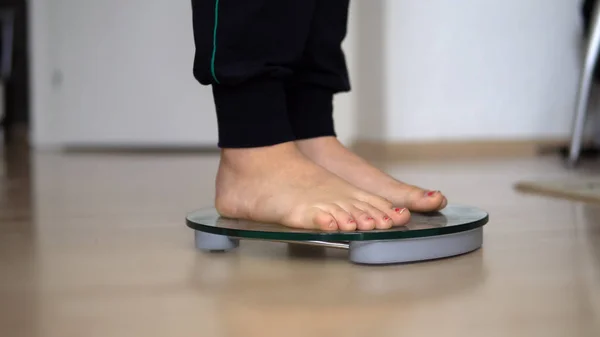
453, 231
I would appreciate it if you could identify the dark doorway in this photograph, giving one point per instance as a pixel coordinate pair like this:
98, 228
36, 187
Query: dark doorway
16, 77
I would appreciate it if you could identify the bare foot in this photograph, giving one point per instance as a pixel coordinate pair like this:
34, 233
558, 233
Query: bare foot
278, 184
332, 155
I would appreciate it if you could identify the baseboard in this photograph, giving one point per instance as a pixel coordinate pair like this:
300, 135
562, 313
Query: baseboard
16, 135
381, 150
140, 149
440, 150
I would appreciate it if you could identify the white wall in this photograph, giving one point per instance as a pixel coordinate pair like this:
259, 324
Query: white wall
421, 70
345, 108
115, 72
474, 69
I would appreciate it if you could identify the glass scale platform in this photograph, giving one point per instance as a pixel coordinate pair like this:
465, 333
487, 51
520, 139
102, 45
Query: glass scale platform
453, 231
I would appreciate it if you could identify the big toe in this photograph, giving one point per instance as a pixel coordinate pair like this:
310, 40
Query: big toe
420, 200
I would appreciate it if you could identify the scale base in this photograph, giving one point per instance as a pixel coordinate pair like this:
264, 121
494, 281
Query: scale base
214, 242
414, 250
375, 252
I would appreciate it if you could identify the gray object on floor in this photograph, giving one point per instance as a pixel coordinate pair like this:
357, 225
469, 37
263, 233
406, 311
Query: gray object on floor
453, 231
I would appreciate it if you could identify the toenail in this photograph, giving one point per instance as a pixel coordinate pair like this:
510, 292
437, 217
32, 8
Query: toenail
369, 218
350, 221
399, 210
430, 193
386, 218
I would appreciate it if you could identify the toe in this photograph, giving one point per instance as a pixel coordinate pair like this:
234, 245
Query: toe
400, 216
444, 203
428, 201
381, 219
325, 221
393, 216
420, 200
364, 221
344, 220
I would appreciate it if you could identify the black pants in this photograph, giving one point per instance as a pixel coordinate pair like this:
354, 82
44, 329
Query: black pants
274, 66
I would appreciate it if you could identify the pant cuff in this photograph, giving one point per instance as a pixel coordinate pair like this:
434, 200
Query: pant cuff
310, 110
252, 114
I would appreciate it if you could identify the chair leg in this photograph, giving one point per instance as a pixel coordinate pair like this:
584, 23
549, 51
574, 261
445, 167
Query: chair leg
585, 83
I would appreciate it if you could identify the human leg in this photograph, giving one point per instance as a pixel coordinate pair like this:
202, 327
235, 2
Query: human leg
321, 74
247, 50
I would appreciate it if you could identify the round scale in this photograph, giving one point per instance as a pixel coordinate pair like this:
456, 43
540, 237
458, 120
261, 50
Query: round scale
452, 231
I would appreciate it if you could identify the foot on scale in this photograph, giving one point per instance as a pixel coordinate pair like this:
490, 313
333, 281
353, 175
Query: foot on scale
455, 230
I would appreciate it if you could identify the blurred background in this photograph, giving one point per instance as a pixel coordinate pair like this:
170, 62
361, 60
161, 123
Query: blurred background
116, 73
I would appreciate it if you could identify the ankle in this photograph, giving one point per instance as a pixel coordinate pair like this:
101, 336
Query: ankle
319, 148
245, 159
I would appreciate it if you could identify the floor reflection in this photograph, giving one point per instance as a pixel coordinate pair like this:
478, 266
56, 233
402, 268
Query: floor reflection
19, 306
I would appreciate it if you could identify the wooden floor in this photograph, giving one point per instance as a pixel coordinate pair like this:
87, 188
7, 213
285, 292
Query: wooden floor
96, 245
